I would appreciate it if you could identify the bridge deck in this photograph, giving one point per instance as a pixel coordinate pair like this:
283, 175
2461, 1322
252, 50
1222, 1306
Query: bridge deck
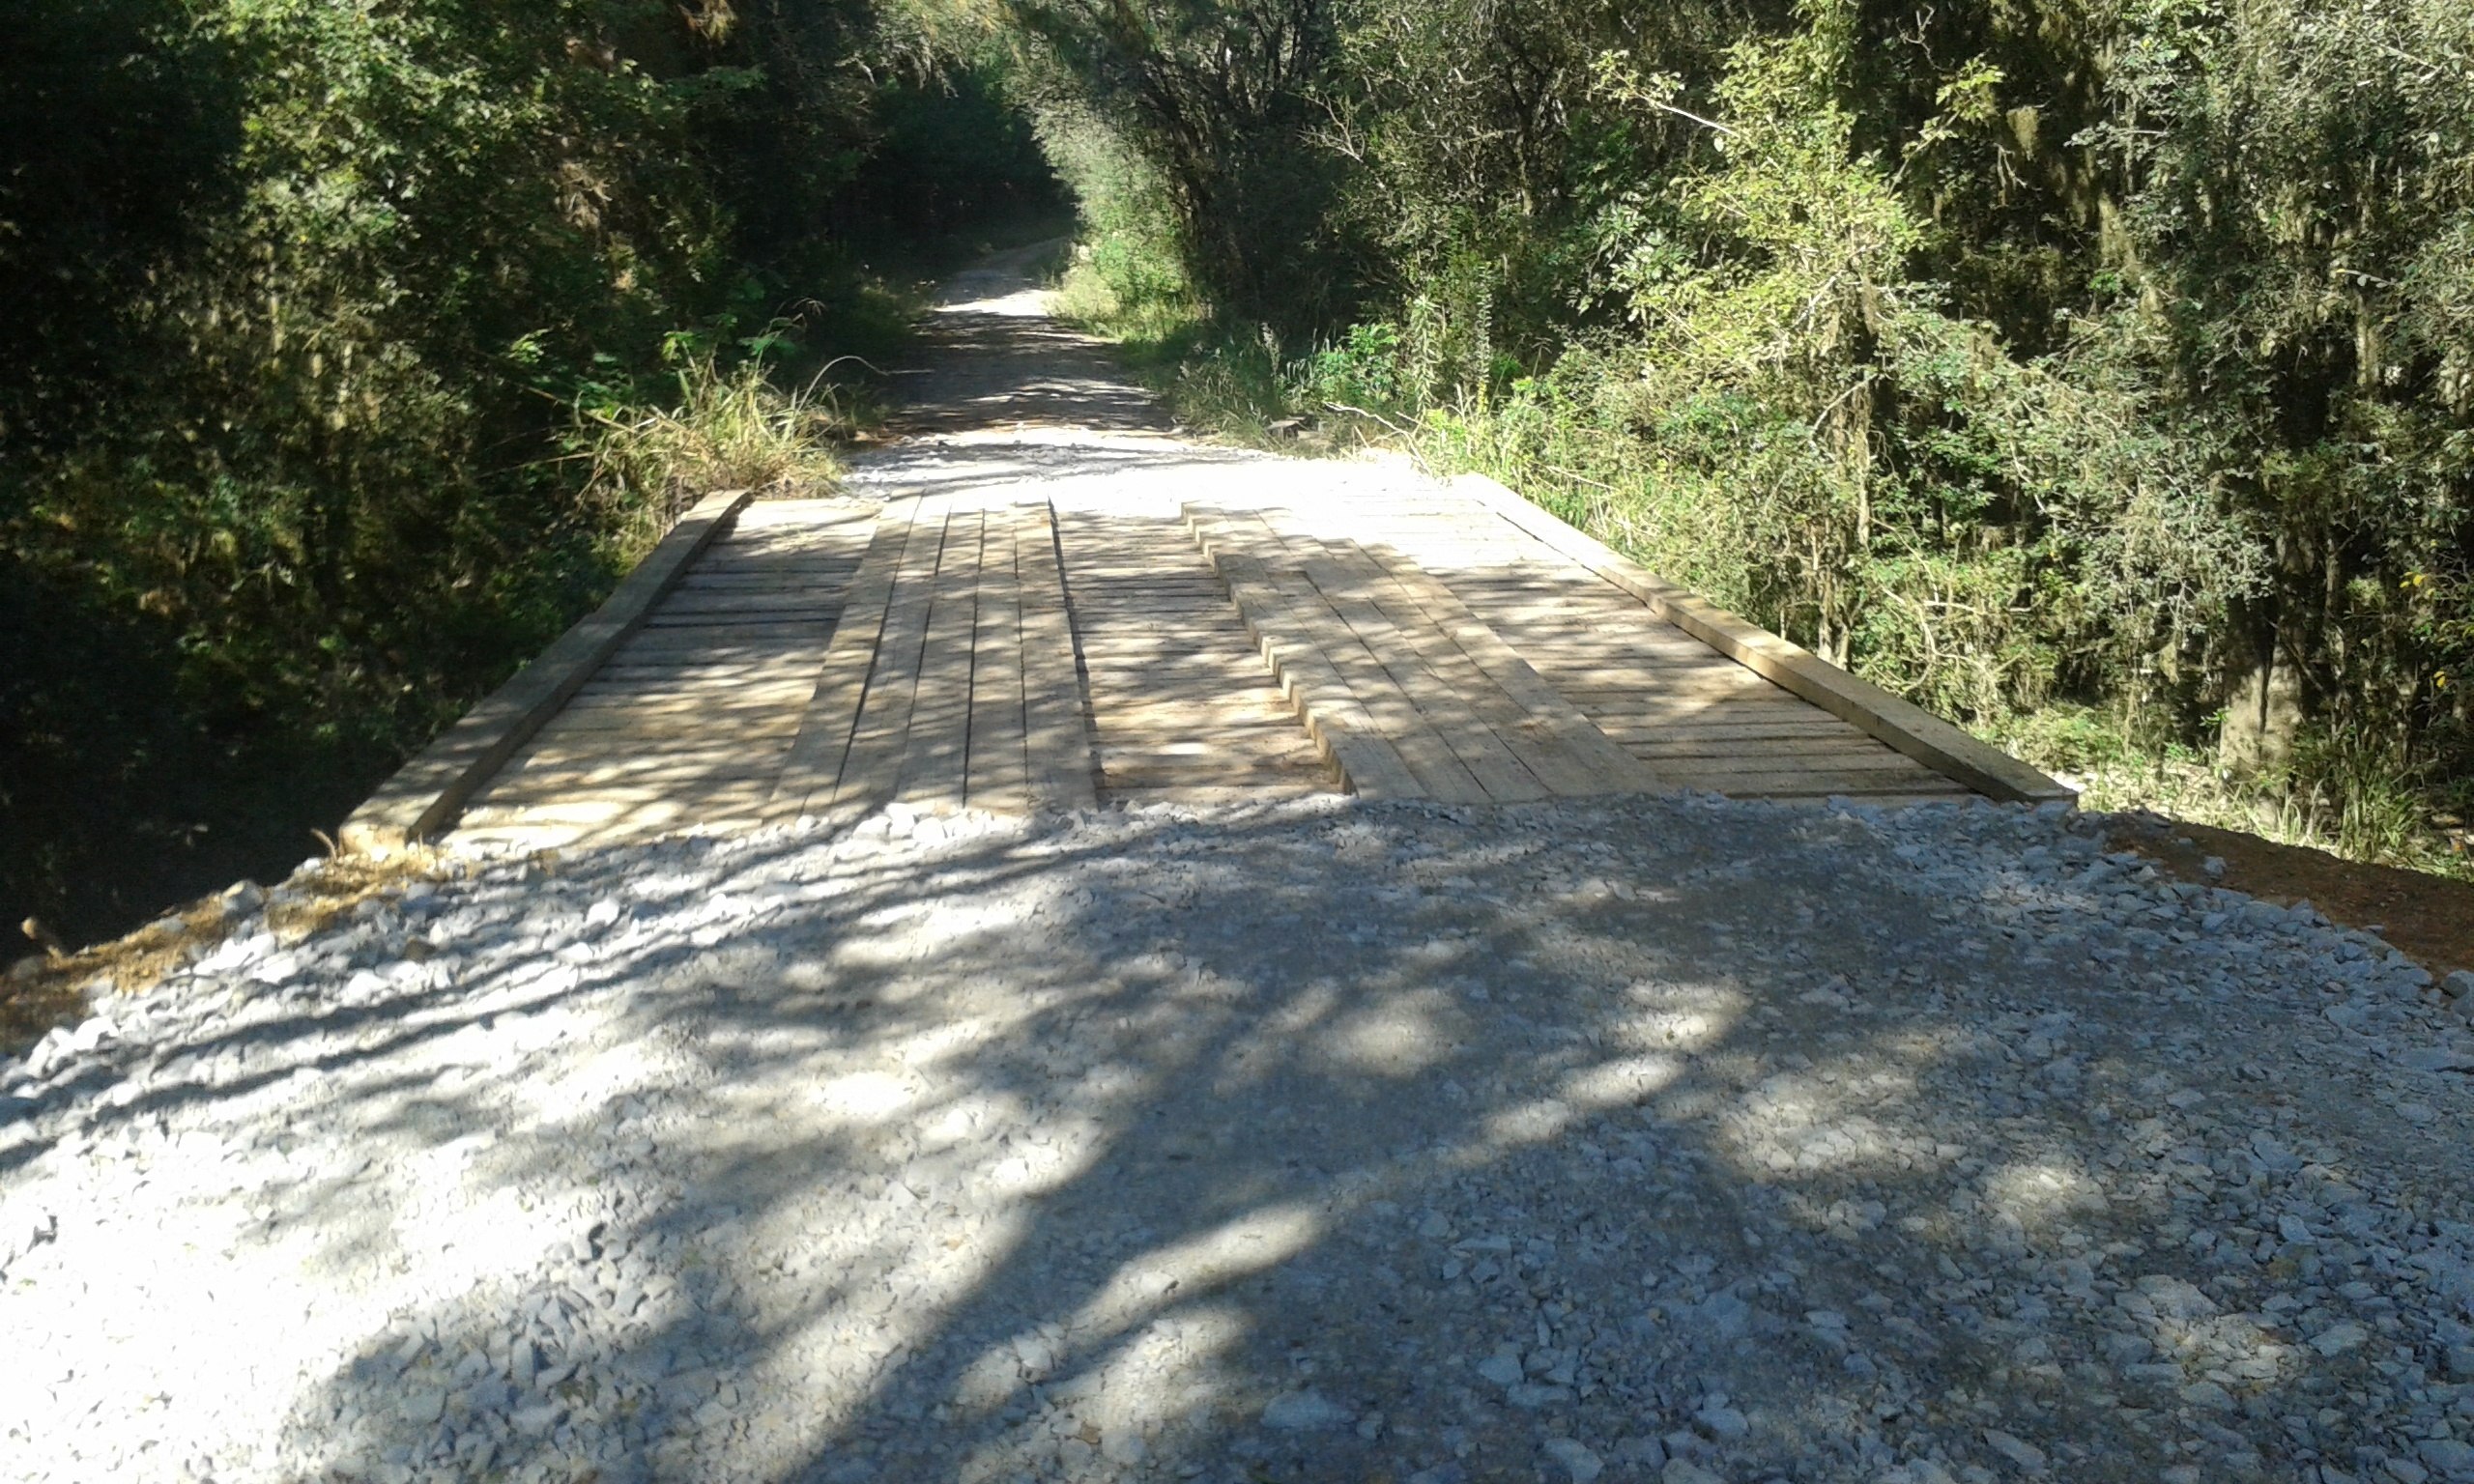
1037, 600
999, 643
690, 723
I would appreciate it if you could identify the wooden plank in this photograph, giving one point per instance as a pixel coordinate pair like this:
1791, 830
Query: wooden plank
779, 711
1316, 624
1440, 774
814, 763
1201, 615
997, 778
788, 692
1169, 642
719, 682
1263, 709
1444, 707
581, 776
1058, 764
794, 682
1133, 573
871, 769
1721, 731
1770, 705
787, 695
1184, 649
1119, 686
820, 615
1809, 782
1705, 769
1138, 794
814, 577
1309, 775
666, 739
935, 756
1201, 611
641, 810
1284, 740
1562, 745
426, 794
1188, 594
754, 633
723, 709
1950, 794
1196, 766
583, 783
721, 570
1367, 763
718, 668
695, 634
808, 649
799, 601
806, 644
1601, 672
1764, 751
1652, 700
1147, 585
1904, 725
623, 806
611, 726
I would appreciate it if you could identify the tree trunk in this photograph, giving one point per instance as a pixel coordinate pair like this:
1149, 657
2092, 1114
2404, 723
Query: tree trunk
2263, 713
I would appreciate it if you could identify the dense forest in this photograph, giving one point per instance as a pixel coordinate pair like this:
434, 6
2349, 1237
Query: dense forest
355, 348
2099, 372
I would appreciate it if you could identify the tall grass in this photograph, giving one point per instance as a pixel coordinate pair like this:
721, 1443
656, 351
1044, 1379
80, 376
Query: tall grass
730, 429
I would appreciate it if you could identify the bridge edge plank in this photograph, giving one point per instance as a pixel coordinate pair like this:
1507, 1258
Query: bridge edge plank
426, 794
1902, 724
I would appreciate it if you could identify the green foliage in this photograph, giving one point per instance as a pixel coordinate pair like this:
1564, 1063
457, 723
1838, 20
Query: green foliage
955, 154
1215, 99
356, 339
729, 430
1128, 278
2026, 357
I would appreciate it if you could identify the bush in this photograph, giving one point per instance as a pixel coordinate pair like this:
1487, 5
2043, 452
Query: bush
314, 296
2095, 360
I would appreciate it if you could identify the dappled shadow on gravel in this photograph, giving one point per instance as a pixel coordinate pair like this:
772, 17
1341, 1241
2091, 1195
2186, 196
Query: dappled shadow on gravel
1321, 1142
1375, 1143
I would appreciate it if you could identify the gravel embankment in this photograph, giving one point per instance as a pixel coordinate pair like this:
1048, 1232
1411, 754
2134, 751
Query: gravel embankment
1668, 1141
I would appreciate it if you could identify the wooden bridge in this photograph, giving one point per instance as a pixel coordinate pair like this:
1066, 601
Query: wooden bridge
1039, 614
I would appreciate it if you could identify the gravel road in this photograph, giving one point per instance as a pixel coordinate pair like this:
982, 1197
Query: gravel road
1668, 1140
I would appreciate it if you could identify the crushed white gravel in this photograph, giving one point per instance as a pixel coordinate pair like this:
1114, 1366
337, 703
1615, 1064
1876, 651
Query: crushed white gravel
1666, 1140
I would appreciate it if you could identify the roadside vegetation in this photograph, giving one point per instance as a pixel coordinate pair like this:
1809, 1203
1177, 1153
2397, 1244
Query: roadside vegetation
2101, 375
355, 350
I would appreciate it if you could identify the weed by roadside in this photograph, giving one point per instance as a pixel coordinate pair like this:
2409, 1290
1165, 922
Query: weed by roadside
1241, 386
2343, 799
729, 429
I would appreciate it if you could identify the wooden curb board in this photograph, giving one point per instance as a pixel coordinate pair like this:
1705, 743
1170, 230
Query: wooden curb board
1406, 693
427, 795
1900, 724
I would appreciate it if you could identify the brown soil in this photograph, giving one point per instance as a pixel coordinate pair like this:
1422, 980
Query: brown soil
2429, 917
